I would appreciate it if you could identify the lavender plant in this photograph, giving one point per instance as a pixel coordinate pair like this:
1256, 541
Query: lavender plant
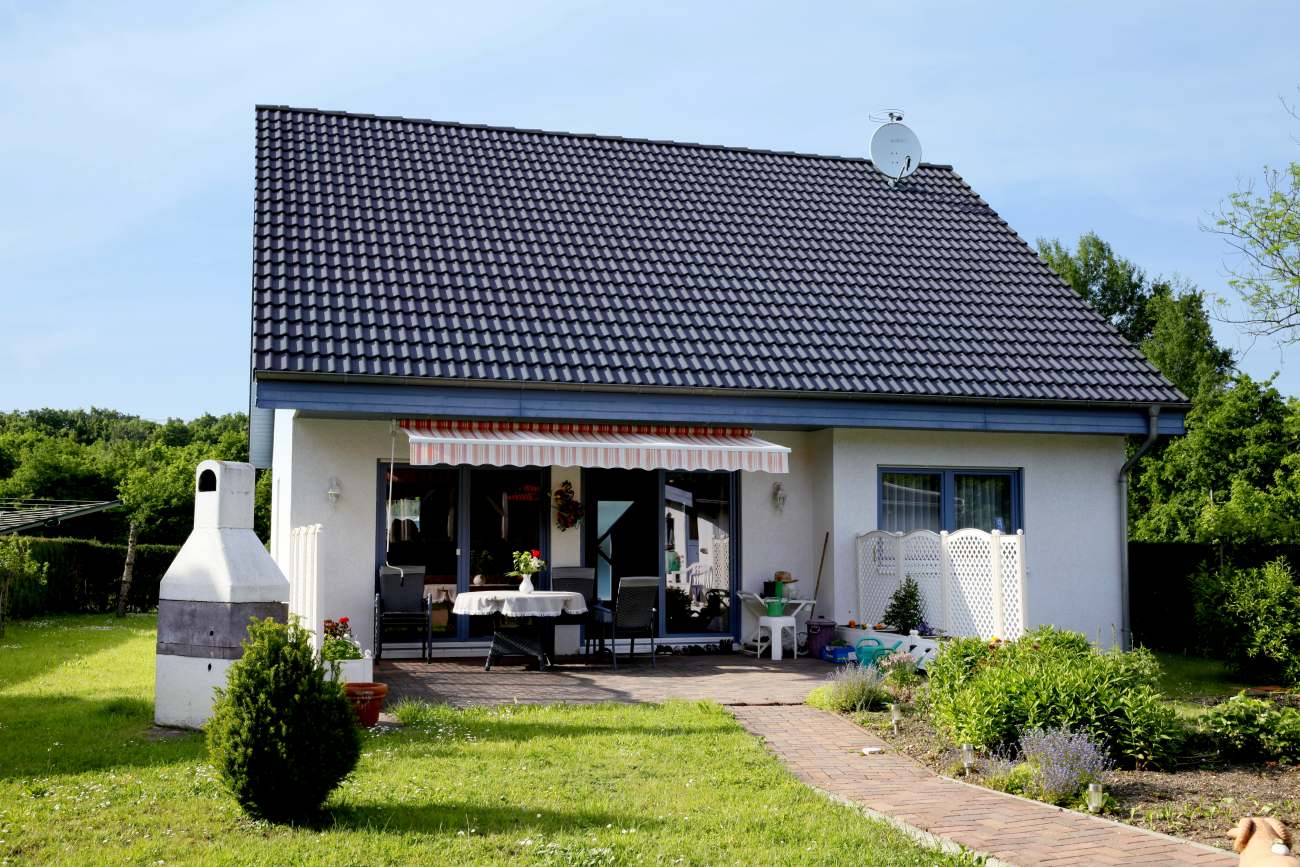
1063, 762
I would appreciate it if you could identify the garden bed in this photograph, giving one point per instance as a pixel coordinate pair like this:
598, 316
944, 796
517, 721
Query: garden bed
1197, 803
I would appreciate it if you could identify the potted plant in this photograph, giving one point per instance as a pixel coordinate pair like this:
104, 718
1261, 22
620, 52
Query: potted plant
343, 654
527, 564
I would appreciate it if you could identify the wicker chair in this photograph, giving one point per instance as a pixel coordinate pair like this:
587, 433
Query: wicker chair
636, 612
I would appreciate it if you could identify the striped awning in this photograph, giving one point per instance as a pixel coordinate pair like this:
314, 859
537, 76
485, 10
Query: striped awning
634, 447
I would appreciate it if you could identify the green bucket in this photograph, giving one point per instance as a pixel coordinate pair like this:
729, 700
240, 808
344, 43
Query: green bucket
777, 609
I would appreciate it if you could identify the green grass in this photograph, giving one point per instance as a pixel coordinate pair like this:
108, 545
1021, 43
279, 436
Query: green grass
1189, 680
82, 783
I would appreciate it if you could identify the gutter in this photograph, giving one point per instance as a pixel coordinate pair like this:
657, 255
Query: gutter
1153, 423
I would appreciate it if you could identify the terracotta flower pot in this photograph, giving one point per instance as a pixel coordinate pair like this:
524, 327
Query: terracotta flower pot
367, 699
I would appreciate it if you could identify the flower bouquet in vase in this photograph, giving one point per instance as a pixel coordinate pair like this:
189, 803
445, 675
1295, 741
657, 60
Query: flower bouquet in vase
527, 564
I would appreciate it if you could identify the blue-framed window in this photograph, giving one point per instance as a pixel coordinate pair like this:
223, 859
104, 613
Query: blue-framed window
951, 498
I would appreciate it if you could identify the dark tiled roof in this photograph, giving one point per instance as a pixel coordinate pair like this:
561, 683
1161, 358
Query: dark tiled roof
405, 248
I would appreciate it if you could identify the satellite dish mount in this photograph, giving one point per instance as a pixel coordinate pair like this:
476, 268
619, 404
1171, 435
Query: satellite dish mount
895, 149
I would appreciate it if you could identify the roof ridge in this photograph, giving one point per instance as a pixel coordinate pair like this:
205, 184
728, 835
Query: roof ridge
583, 135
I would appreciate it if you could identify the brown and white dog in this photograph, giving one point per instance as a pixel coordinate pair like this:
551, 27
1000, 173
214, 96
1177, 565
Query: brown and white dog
1263, 843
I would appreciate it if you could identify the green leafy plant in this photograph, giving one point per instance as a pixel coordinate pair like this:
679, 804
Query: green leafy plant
339, 643
905, 611
282, 735
987, 694
1260, 609
899, 674
1251, 730
18, 569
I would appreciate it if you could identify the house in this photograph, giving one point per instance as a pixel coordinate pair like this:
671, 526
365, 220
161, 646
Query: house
730, 354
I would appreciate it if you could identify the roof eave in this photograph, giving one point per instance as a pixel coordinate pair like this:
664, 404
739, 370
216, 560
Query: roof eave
415, 382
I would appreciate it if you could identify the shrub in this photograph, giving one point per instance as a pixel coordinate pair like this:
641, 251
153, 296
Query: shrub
20, 575
1251, 730
987, 694
851, 688
82, 577
282, 735
1062, 763
1260, 609
905, 612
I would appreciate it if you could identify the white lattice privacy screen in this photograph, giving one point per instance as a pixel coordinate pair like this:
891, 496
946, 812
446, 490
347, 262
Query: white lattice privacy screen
303, 567
972, 582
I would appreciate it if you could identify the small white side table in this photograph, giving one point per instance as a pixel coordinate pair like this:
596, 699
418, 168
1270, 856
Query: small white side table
775, 627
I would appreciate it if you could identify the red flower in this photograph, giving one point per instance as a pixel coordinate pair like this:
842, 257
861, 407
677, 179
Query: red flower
343, 620
536, 553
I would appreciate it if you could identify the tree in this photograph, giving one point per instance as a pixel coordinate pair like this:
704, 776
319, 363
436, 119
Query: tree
1264, 228
1238, 440
1181, 344
1115, 287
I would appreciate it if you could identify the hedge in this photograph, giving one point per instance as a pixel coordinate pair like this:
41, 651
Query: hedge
82, 577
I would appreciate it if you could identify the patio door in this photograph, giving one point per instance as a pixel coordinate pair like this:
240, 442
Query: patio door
677, 525
459, 526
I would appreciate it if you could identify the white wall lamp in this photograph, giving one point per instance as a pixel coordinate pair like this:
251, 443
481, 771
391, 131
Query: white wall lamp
778, 496
333, 491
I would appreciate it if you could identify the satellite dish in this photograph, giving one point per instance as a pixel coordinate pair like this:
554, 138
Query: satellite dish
895, 149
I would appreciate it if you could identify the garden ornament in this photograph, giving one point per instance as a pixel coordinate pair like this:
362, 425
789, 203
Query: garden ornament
1263, 842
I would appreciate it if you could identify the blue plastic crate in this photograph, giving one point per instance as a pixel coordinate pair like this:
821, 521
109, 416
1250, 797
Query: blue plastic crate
838, 655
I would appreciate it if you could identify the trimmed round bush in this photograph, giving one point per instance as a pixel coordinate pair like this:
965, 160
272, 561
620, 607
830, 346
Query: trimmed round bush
282, 734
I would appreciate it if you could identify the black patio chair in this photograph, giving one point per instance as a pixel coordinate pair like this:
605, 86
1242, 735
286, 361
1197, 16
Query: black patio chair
595, 622
401, 609
636, 612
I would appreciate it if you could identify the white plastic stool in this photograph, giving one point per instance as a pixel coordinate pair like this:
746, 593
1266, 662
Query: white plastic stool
776, 627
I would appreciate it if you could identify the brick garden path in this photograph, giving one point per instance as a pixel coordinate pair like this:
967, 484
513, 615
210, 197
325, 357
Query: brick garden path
824, 750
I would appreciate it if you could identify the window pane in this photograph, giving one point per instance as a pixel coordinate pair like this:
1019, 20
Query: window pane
910, 501
983, 502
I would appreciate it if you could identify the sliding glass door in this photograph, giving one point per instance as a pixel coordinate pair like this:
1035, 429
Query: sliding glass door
458, 526
679, 526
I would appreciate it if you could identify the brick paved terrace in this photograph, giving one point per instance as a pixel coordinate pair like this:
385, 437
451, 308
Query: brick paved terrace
727, 679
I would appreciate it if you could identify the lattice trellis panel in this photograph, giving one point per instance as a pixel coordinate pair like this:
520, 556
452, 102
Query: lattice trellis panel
877, 573
921, 555
971, 601
720, 579
1012, 550
980, 575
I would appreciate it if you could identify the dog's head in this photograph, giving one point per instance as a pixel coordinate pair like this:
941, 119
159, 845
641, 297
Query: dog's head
1264, 830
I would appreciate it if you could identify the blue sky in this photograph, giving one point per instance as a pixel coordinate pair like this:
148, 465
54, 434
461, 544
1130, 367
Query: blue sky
126, 136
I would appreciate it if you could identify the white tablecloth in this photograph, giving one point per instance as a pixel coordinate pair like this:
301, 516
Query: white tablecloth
512, 603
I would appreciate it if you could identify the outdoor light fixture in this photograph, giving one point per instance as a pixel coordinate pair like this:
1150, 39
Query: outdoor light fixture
333, 491
1096, 797
778, 496
968, 757
895, 716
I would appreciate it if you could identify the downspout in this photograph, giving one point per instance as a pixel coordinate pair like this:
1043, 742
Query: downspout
1153, 420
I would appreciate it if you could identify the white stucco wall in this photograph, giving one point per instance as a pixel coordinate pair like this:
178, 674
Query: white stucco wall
1070, 500
1071, 512
308, 452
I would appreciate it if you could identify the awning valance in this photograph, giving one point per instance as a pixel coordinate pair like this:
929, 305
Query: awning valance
636, 447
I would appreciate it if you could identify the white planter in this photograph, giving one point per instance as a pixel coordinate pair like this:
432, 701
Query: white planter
354, 670
921, 649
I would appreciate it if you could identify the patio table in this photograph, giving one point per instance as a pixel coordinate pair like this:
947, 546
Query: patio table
542, 606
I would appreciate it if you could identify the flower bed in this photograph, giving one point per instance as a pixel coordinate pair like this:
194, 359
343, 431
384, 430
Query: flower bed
1195, 802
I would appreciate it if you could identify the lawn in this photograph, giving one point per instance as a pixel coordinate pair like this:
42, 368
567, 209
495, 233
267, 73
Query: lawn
83, 781
1192, 683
